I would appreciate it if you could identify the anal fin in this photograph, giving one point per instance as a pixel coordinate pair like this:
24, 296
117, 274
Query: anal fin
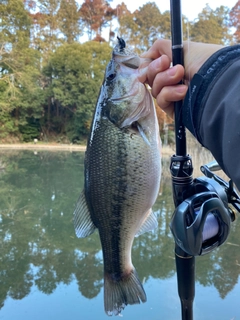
82, 220
150, 223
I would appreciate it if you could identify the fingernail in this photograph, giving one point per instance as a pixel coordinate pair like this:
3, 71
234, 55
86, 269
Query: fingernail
155, 64
181, 89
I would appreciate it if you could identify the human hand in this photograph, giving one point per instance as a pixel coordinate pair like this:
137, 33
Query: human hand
164, 79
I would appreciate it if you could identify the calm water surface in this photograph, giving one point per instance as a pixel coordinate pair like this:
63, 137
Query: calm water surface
47, 273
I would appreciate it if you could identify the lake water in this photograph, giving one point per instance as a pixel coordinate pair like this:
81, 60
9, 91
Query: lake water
47, 273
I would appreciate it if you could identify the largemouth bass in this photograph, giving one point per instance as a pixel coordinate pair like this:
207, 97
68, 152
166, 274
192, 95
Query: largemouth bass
122, 175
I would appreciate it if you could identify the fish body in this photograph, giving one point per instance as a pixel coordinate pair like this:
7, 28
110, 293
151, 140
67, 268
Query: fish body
122, 176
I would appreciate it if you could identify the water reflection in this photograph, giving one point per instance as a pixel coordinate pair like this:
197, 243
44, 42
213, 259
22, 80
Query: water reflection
39, 248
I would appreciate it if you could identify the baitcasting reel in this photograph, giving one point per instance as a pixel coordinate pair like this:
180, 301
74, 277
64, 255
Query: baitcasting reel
202, 222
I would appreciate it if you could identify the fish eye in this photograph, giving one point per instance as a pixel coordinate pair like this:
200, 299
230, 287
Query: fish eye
111, 76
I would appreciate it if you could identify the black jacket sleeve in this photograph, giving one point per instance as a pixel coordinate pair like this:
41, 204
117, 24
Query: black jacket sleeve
211, 109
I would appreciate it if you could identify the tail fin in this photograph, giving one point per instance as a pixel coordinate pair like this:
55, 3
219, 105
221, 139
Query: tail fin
119, 293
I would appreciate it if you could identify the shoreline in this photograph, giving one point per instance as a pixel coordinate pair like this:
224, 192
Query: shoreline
166, 150
42, 146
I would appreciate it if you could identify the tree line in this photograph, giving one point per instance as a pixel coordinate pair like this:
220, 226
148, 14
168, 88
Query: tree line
53, 55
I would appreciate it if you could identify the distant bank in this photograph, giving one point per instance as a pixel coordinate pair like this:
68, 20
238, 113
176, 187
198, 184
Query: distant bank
58, 147
43, 146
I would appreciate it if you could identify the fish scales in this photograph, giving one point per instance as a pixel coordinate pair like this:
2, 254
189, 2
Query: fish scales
122, 177
120, 181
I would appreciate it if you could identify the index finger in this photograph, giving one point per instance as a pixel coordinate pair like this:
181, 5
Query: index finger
159, 48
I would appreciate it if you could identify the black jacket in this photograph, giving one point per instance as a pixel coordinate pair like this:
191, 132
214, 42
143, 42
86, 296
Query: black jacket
211, 109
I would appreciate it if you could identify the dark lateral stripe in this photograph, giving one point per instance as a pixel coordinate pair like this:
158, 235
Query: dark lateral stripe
118, 201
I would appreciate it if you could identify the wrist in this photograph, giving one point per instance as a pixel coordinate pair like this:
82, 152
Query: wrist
195, 55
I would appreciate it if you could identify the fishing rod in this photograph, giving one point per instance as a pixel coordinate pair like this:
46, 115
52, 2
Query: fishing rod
204, 206
181, 171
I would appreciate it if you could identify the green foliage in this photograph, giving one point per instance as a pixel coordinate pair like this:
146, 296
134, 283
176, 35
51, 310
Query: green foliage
145, 25
7, 125
48, 76
212, 26
76, 72
21, 91
148, 19
69, 20
30, 131
127, 25
14, 24
48, 32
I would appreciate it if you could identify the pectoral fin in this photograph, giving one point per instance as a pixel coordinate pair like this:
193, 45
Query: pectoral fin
149, 224
82, 220
142, 134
